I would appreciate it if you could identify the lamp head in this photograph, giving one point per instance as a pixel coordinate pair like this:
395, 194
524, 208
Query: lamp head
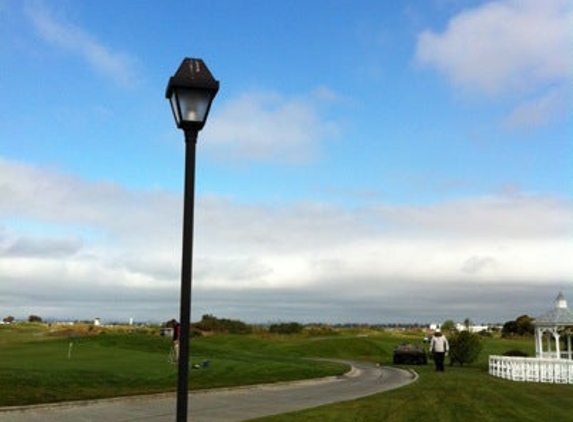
191, 91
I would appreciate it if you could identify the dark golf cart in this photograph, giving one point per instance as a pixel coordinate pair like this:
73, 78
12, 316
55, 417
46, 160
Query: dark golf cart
413, 354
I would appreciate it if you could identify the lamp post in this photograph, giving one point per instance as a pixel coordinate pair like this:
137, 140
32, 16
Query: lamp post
190, 92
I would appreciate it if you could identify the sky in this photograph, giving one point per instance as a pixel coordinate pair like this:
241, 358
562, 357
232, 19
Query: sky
363, 162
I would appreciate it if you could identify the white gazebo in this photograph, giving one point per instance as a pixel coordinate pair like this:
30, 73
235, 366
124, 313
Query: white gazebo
553, 325
554, 359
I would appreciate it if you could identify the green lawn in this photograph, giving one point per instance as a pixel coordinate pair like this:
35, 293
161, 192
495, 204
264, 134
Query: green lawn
460, 394
37, 367
34, 368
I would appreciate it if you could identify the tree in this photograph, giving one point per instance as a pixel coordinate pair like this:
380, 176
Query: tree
467, 323
522, 326
222, 325
34, 318
448, 325
465, 347
9, 319
525, 325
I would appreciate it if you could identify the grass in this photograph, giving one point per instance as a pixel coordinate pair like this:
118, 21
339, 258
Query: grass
34, 368
38, 370
460, 394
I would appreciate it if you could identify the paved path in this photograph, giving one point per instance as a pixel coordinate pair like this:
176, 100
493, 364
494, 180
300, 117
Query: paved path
223, 405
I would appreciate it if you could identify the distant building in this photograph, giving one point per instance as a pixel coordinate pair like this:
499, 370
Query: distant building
461, 327
472, 328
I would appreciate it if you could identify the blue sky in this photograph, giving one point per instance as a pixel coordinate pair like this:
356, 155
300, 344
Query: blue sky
373, 161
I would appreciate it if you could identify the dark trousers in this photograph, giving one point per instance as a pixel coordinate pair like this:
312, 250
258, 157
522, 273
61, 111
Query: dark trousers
439, 361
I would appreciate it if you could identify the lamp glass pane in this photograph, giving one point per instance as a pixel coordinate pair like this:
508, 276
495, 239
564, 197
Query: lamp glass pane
194, 104
175, 108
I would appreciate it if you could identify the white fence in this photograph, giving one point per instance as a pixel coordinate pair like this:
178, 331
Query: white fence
559, 371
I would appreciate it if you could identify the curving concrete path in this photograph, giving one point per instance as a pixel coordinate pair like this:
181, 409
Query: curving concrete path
223, 405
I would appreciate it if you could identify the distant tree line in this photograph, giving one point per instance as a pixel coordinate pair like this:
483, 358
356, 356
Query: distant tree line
521, 326
32, 318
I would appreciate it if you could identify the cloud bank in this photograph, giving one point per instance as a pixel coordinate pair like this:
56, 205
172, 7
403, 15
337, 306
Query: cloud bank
82, 248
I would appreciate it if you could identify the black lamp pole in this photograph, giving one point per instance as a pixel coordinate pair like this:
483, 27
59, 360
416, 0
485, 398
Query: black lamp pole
186, 275
190, 92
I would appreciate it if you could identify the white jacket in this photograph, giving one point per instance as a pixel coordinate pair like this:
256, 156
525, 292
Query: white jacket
439, 344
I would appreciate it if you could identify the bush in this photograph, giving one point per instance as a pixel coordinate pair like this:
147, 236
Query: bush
515, 352
286, 328
222, 325
465, 347
321, 330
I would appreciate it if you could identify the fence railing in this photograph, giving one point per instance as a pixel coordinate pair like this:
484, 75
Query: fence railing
559, 371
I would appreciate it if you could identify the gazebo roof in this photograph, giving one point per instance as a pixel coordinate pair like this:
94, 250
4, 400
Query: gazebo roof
561, 315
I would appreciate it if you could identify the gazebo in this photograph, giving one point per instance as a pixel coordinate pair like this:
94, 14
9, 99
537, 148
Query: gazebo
553, 325
552, 363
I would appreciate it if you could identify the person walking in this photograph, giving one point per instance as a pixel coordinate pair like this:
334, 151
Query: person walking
439, 346
176, 334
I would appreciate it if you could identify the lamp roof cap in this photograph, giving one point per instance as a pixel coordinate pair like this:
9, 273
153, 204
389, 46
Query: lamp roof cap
192, 74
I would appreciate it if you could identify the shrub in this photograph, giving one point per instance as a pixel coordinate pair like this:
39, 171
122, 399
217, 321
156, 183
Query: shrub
321, 330
515, 352
465, 347
286, 328
222, 325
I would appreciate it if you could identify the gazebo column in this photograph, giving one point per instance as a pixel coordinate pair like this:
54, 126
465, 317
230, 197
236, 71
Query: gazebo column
556, 336
568, 345
539, 342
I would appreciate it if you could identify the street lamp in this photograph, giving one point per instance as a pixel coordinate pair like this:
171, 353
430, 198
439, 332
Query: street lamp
190, 92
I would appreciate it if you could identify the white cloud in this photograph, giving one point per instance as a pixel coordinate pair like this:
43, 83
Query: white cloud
31, 193
386, 262
117, 66
538, 112
265, 126
503, 46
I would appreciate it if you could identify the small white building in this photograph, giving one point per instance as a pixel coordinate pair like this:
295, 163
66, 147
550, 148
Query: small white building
472, 328
554, 358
